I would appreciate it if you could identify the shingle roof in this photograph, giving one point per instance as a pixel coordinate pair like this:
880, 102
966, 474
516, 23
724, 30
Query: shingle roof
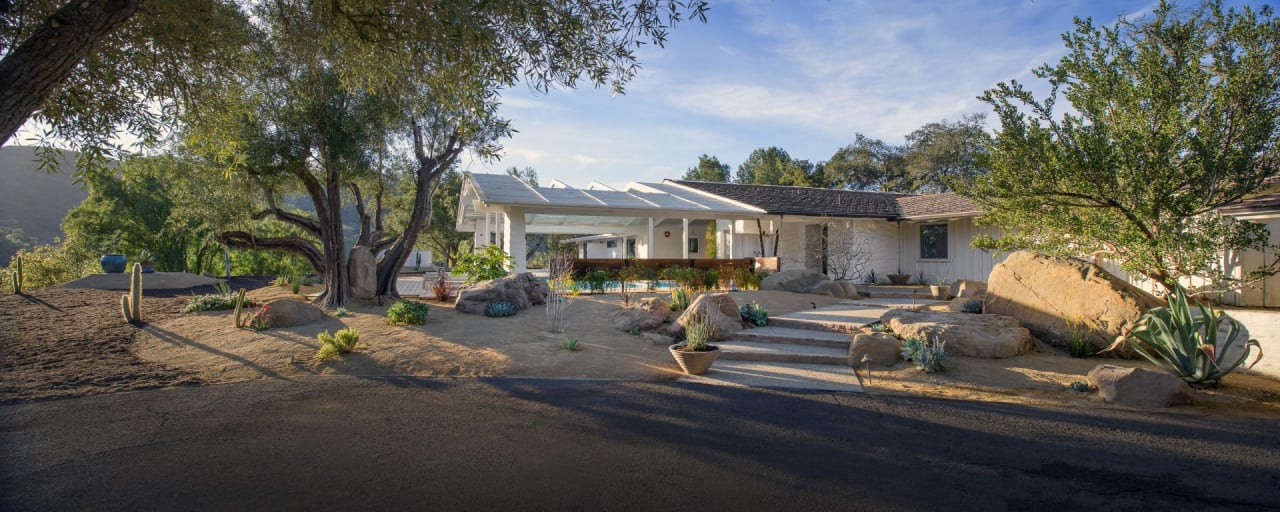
1262, 203
935, 205
820, 202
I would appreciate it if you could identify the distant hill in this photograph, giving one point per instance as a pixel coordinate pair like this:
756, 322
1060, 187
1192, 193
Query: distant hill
32, 200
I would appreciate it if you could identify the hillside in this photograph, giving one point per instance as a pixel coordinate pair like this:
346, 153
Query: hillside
33, 201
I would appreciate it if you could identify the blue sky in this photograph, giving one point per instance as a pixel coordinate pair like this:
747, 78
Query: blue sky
802, 75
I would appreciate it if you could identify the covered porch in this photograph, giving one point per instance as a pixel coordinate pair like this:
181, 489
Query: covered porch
642, 220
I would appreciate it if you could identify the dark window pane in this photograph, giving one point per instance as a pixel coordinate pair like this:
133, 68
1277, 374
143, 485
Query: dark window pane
933, 242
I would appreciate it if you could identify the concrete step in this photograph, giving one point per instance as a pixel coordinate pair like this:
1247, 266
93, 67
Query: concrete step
782, 352
774, 334
817, 377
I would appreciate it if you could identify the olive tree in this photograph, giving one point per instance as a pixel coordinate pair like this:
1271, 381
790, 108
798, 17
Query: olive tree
1172, 115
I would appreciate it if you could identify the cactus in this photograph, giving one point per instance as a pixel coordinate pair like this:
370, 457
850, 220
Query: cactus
239, 302
17, 275
131, 304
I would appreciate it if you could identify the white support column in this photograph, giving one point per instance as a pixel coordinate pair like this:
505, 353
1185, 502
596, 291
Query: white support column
684, 239
732, 227
513, 237
649, 242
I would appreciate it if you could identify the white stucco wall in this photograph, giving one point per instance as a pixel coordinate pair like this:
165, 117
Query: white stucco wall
962, 262
1264, 326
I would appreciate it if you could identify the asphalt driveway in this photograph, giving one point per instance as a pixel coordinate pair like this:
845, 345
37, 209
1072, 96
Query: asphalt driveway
520, 444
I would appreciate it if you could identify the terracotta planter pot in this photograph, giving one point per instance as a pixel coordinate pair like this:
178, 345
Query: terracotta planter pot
899, 279
694, 363
941, 292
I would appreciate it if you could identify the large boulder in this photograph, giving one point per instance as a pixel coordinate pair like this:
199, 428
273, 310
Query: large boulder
288, 313
1139, 387
884, 349
803, 281
1052, 296
966, 334
522, 290
646, 315
718, 308
362, 272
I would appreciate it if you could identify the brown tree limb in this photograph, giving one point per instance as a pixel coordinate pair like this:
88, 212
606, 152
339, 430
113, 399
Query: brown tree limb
290, 244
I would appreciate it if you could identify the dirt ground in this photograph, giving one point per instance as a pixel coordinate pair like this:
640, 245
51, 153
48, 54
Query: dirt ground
63, 342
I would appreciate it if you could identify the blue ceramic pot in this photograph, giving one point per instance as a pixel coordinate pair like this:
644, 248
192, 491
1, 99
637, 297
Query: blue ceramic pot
112, 263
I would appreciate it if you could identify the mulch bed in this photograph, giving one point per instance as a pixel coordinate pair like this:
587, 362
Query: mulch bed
62, 342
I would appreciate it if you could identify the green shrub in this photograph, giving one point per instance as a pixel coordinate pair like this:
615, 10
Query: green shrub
698, 333
500, 308
1187, 345
571, 344
928, 356
340, 312
342, 342
281, 281
488, 263
971, 306
47, 265
595, 280
879, 326
405, 312
1078, 346
680, 299
210, 302
754, 314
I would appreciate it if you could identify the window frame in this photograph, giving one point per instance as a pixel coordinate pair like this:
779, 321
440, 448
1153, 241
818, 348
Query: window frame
945, 245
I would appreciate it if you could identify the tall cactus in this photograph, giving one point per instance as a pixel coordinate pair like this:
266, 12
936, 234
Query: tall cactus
239, 302
131, 304
17, 276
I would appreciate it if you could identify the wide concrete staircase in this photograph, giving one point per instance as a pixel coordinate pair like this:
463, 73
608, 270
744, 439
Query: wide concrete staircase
812, 345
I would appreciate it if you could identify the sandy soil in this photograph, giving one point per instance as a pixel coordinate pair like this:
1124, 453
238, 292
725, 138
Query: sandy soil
450, 344
83, 347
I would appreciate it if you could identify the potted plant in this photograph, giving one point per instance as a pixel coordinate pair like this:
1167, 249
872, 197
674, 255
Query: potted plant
147, 260
696, 354
899, 279
941, 290
112, 261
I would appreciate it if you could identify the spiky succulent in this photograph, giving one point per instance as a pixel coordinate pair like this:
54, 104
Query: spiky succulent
500, 308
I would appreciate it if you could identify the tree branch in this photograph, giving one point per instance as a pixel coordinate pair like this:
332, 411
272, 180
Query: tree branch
290, 244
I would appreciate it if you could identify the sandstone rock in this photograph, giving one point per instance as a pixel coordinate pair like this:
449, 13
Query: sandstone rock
850, 290
646, 315
969, 288
289, 313
803, 281
1049, 295
884, 349
522, 290
1139, 387
659, 339
991, 336
718, 308
362, 272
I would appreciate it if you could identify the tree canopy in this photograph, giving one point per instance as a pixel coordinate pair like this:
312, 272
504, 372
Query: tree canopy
774, 166
1173, 115
709, 168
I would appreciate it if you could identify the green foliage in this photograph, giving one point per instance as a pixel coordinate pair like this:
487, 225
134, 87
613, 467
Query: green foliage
945, 154
1078, 346
571, 344
710, 279
595, 280
868, 164
295, 284
48, 265
210, 302
680, 299
686, 277
405, 312
1080, 386
773, 166
1187, 345
743, 277
971, 306
878, 326
698, 333
131, 304
335, 345
17, 273
710, 169
754, 314
929, 356
339, 312
1172, 115
280, 281
491, 262
500, 308
442, 236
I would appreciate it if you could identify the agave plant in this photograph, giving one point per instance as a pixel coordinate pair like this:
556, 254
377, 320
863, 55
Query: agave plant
754, 314
500, 308
1187, 345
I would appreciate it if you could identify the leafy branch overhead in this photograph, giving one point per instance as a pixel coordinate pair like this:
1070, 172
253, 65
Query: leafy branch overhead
1173, 115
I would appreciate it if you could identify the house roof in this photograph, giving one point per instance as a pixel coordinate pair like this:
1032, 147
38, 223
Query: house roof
1265, 203
949, 204
821, 202
818, 202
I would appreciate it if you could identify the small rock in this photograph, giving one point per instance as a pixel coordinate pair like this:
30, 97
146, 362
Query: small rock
659, 339
803, 281
289, 313
884, 349
1139, 387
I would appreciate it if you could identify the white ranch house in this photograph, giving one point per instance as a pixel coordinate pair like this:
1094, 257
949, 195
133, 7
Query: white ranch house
906, 233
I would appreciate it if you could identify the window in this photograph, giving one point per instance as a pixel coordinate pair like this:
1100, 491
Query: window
610, 244
933, 242
693, 245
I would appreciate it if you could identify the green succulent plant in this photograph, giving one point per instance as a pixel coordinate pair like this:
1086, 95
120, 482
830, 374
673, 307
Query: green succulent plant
500, 308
